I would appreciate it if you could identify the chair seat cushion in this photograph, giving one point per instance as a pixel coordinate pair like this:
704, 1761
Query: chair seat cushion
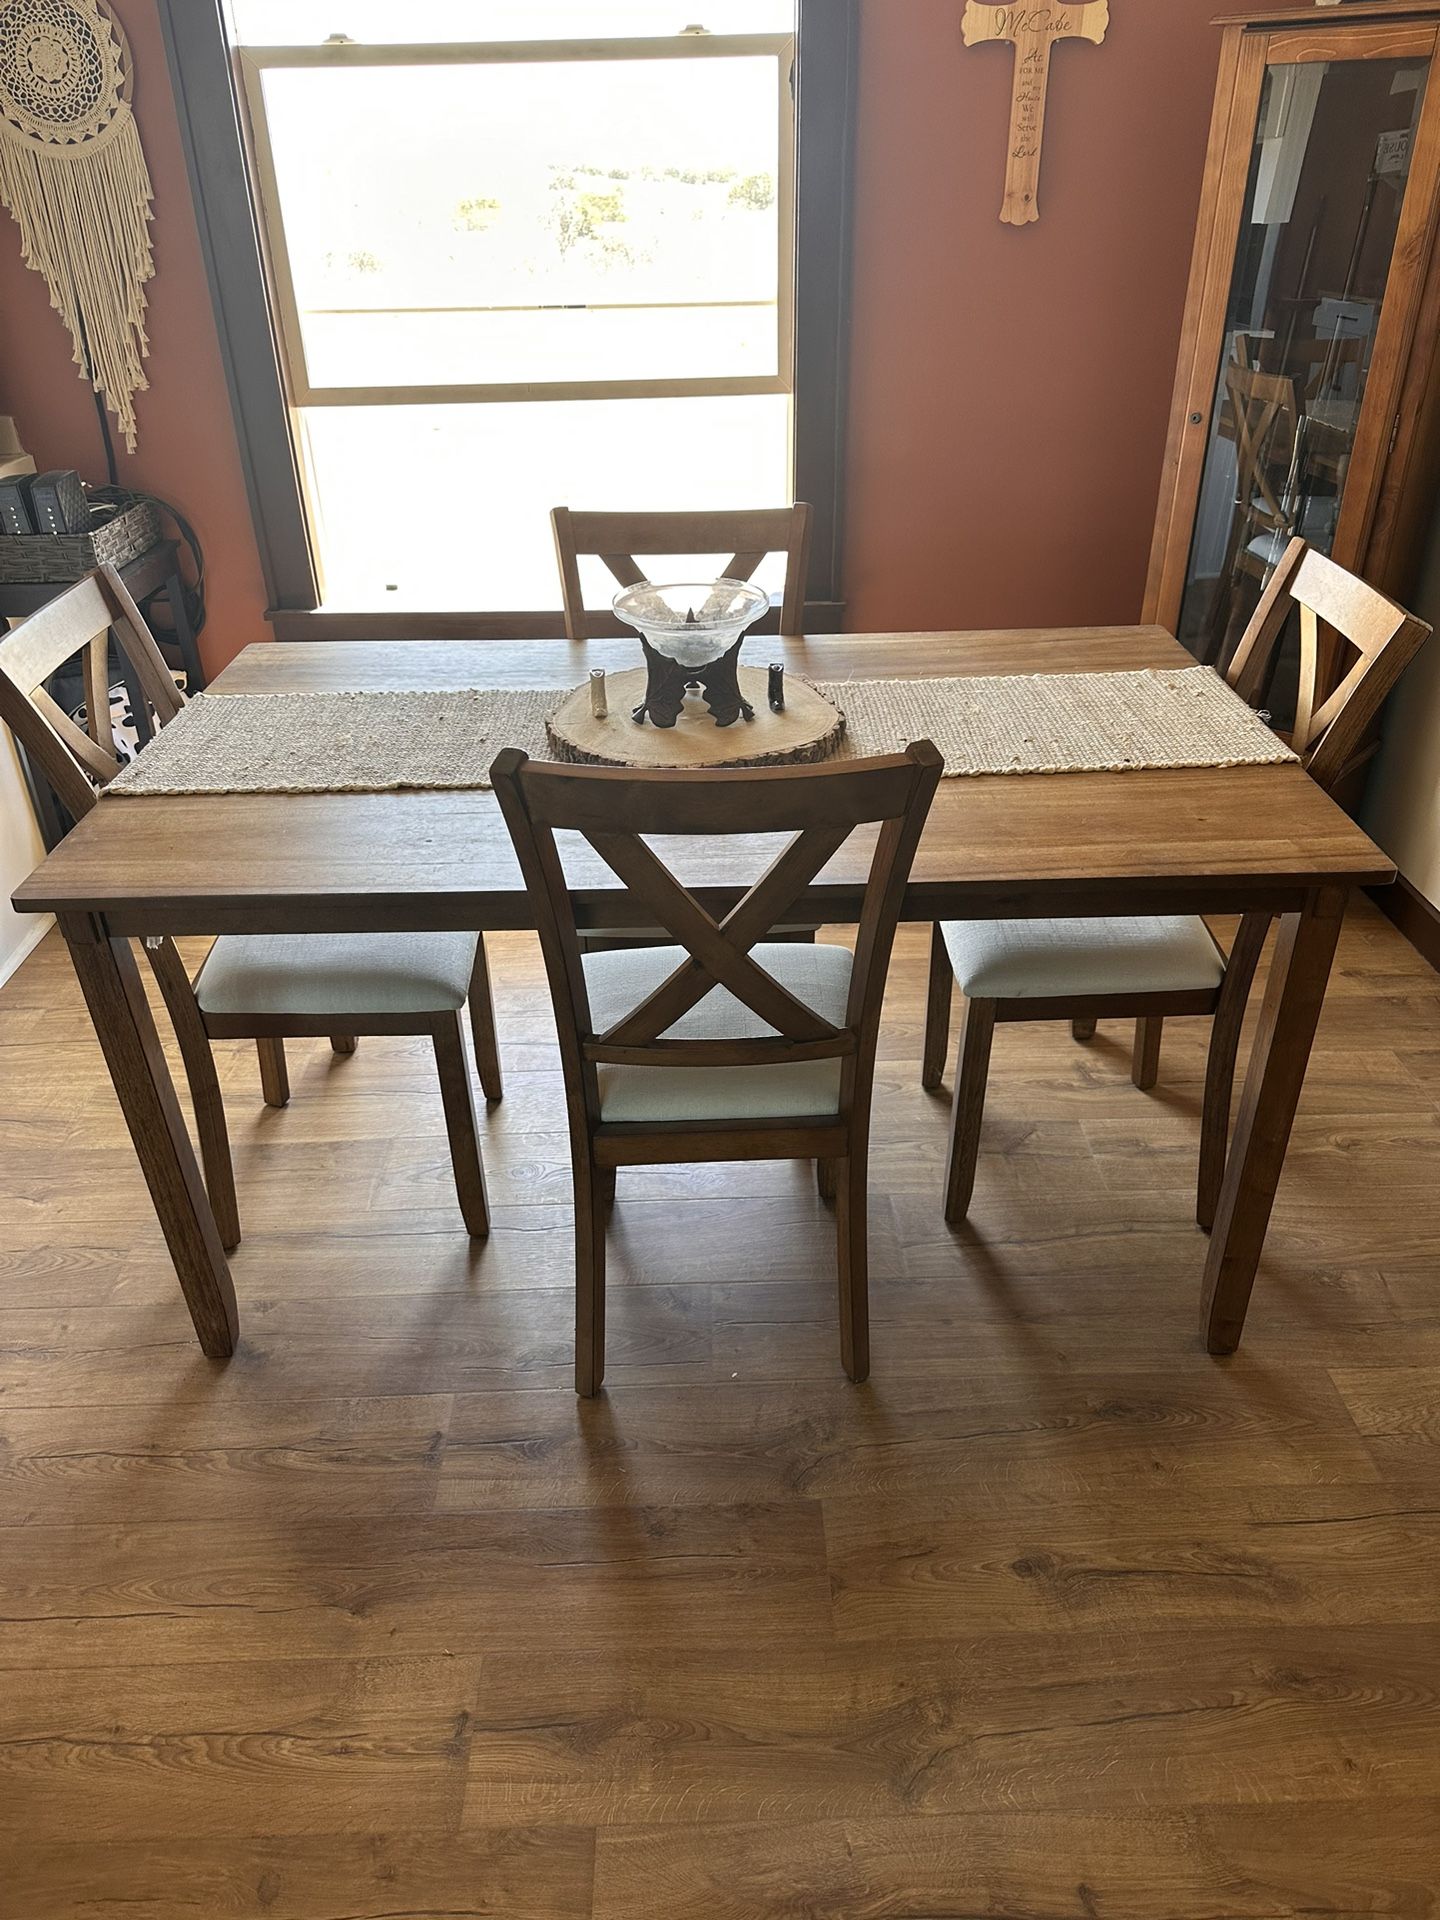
337, 973
1050, 959
619, 981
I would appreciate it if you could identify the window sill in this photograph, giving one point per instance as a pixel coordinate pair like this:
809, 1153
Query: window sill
823, 616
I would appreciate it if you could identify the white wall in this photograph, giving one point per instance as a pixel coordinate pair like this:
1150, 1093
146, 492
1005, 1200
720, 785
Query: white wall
20, 853
1402, 802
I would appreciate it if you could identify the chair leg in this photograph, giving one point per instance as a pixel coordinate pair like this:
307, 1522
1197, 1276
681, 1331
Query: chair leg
1145, 1056
1220, 1064
274, 1080
482, 1027
937, 1012
461, 1124
1083, 1029
972, 1068
343, 1043
605, 1176
199, 1063
589, 1277
825, 1179
852, 1253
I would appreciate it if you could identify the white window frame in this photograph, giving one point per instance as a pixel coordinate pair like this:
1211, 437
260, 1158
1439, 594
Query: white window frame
301, 392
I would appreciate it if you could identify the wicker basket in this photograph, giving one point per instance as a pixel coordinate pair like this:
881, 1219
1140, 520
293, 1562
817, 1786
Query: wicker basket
62, 557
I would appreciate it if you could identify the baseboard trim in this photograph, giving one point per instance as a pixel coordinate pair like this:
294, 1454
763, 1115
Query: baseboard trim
1416, 917
27, 946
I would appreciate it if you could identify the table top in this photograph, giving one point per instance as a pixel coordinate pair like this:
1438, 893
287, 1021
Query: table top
1213, 839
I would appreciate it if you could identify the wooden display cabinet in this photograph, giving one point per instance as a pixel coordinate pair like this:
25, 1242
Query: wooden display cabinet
1306, 394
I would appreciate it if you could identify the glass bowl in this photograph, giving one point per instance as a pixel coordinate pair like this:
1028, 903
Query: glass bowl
692, 622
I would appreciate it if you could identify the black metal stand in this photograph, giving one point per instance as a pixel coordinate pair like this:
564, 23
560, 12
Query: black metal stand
667, 683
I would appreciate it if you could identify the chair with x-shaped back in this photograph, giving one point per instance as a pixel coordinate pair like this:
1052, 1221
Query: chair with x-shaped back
1263, 413
747, 536
262, 987
722, 1046
1353, 641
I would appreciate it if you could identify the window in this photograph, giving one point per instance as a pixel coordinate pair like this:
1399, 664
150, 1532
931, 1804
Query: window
598, 256
513, 273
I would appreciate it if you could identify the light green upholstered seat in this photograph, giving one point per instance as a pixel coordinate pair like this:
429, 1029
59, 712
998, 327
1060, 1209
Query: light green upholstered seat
1044, 959
337, 973
618, 981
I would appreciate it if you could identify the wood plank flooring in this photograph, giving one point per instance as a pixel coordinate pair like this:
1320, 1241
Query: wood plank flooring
1055, 1619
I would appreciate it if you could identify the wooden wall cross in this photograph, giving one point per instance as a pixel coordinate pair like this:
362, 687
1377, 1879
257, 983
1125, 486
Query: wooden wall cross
1034, 31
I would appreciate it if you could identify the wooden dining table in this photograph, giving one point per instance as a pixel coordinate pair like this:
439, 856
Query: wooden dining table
1216, 840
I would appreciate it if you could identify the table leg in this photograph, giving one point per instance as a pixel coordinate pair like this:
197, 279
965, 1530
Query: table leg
174, 591
43, 803
1293, 998
110, 981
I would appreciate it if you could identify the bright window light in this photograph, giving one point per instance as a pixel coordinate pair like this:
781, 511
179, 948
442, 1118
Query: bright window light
518, 276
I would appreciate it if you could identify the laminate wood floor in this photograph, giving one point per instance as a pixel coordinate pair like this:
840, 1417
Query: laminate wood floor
1055, 1619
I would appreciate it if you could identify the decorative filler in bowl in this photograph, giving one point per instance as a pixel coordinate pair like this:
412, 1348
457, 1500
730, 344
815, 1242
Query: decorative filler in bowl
692, 633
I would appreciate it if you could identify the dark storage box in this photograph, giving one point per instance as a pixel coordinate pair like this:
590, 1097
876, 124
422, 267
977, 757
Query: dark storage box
61, 557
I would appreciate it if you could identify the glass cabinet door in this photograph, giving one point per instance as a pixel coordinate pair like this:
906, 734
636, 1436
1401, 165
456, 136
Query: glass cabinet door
1328, 172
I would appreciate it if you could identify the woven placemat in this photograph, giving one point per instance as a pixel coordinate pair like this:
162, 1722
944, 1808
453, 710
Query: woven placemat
1060, 722
339, 742
391, 742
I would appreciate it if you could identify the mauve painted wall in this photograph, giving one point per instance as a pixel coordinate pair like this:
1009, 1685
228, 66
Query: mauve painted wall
1009, 386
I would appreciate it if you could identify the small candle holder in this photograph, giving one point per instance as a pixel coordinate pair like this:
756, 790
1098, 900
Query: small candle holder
599, 701
776, 688
691, 635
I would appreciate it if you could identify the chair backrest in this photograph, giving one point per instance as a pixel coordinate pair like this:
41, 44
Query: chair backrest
1330, 731
1266, 409
746, 537
612, 810
80, 620
1321, 365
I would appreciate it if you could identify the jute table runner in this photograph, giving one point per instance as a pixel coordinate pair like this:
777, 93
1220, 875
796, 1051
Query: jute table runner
390, 742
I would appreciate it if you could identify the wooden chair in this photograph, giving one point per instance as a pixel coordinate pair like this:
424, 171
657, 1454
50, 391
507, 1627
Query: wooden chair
1263, 414
717, 1048
746, 536
261, 987
1326, 366
1147, 969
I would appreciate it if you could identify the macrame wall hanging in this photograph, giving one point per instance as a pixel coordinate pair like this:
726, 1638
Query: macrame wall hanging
73, 174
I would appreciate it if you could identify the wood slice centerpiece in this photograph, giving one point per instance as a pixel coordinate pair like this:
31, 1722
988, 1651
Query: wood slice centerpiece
809, 728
